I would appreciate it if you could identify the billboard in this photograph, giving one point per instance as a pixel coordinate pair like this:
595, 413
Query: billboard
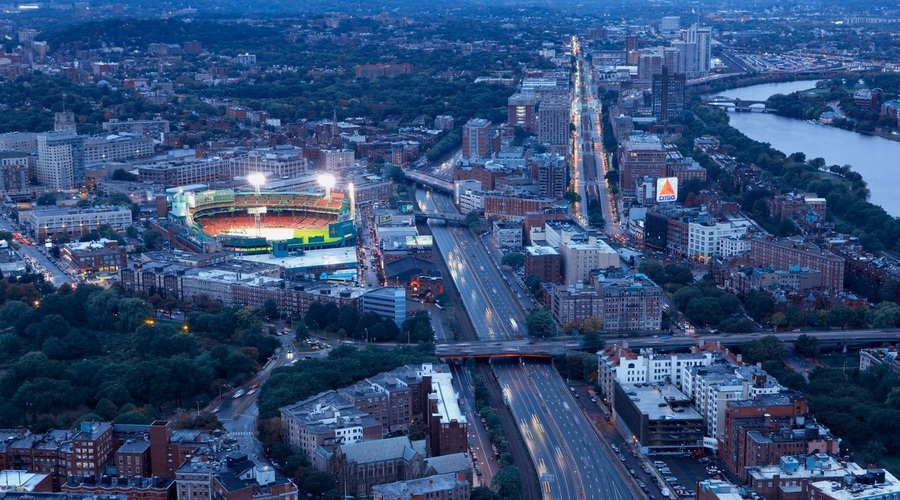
666, 189
405, 207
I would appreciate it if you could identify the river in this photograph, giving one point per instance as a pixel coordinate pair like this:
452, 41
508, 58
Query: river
875, 158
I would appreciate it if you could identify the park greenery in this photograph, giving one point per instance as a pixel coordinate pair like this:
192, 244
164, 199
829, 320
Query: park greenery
85, 351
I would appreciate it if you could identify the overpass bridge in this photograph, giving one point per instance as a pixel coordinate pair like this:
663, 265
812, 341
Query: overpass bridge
547, 348
451, 218
435, 183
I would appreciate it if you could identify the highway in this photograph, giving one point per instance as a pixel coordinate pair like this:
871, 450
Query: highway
493, 310
572, 460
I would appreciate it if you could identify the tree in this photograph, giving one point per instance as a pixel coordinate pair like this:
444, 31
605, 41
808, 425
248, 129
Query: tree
768, 348
473, 221
484, 493
592, 325
540, 323
270, 308
806, 345
317, 482
592, 342
153, 239
758, 304
508, 482
301, 332
47, 199
514, 260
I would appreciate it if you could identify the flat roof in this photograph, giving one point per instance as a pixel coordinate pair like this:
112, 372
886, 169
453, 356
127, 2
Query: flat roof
537, 250
311, 259
442, 389
656, 402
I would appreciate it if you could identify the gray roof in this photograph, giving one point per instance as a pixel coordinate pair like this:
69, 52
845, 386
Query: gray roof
417, 488
446, 464
379, 450
134, 447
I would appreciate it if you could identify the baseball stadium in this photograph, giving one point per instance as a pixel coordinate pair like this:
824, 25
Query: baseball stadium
262, 222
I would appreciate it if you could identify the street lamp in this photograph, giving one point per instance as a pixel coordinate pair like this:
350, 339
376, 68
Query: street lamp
327, 181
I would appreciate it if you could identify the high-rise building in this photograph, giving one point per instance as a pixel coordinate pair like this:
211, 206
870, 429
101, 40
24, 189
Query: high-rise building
553, 122
702, 36
650, 62
60, 163
631, 50
669, 25
551, 175
640, 156
476, 138
668, 94
521, 110
688, 58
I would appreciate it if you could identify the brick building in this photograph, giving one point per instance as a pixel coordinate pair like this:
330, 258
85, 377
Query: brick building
782, 254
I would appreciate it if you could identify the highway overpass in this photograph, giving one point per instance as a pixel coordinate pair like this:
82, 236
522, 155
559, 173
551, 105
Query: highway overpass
547, 348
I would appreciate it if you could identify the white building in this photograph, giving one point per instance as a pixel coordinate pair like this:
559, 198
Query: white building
460, 187
116, 147
337, 159
68, 222
617, 364
706, 239
582, 260
60, 163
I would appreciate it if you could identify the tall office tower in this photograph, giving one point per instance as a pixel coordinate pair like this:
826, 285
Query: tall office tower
521, 110
60, 163
669, 25
631, 50
668, 94
702, 36
553, 122
476, 138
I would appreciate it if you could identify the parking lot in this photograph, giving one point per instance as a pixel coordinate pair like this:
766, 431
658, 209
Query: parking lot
681, 473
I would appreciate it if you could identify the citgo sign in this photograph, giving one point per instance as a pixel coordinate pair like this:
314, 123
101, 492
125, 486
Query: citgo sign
666, 189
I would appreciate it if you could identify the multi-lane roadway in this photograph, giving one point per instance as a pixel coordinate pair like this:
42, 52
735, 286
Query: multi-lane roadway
572, 461
493, 310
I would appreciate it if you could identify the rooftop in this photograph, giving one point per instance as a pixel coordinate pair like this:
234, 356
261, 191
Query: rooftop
418, 488
442, 390
860, 485
538, 250
661, 402
311, 259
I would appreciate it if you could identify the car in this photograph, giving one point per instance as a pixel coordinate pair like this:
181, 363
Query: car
622, 458
614, 448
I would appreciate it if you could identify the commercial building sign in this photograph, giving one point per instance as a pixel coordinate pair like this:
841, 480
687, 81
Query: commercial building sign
666, 189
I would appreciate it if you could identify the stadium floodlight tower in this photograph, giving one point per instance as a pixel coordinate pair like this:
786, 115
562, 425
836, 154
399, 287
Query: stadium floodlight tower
327, 181
257, 180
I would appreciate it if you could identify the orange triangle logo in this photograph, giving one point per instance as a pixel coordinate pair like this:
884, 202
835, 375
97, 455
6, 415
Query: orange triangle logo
666, 189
